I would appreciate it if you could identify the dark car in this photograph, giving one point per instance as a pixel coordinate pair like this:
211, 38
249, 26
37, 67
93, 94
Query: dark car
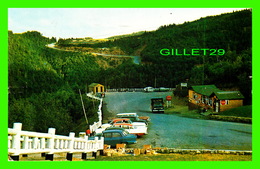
113, 137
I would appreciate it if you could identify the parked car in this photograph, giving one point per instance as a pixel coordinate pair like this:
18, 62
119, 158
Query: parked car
128, 121
163, 89
134, 117
116, 128
113, 137
146, 118
120, 120
132, 129
148, 89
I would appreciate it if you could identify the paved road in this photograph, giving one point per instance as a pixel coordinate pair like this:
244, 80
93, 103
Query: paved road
179, 132
136, 59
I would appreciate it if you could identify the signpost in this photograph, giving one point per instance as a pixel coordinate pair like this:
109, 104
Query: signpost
168, 101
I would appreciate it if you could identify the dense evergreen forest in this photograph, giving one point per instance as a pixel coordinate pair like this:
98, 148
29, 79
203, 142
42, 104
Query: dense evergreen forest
44, 83
231, 32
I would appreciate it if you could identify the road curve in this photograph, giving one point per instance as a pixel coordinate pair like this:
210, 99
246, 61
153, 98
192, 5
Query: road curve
136, 59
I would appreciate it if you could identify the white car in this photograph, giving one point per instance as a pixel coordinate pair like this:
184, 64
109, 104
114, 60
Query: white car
134, 117
148, 89
136, 129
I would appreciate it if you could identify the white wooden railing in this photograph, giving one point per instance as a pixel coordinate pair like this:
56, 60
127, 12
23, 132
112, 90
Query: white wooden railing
27, 142
97, 124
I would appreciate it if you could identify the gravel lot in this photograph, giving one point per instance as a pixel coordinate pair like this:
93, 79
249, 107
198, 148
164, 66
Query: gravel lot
169, 130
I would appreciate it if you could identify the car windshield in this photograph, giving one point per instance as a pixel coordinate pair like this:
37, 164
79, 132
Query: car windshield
157, 104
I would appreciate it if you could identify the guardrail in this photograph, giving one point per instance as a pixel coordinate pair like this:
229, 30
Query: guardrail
134, 90
126, 90
27, 142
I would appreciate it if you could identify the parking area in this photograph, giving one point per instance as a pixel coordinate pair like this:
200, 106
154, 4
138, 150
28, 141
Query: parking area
169, 130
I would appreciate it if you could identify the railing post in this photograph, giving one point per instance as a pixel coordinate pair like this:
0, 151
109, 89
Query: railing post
16, 141
50, 143
26, 142
85, 144
101, 145
25, 145
35, 143
42, 143
96, 144
71, 144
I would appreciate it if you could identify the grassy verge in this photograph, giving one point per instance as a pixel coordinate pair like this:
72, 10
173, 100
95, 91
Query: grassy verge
243, 111
180, 107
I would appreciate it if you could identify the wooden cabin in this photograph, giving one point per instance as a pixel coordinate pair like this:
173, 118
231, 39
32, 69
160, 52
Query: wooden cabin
96, 88
210, 97
225, 100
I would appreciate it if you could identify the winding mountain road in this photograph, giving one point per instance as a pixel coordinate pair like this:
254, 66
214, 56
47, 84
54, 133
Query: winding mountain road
136, 59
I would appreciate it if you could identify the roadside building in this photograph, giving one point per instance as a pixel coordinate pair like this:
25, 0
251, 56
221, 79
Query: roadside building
96, 88
226, 100
181, 90
210, 97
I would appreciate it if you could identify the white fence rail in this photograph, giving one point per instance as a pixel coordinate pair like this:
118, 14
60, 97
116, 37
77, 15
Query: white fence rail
97, 124
94, 97
134, 90
26, 142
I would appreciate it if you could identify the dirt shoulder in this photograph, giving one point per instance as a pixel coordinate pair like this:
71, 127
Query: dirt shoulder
177, 157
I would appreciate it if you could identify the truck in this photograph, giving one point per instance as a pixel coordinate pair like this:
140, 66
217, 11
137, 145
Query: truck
157, 105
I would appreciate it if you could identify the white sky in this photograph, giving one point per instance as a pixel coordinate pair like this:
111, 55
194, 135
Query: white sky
101, 22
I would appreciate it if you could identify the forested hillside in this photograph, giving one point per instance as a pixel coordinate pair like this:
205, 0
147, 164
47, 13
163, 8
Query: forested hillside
231, 32
44, 85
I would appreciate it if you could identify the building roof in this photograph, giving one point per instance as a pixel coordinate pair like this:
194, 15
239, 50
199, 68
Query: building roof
228, 95
94, 84
206, 90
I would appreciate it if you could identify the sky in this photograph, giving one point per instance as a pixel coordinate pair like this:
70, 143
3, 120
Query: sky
101, 22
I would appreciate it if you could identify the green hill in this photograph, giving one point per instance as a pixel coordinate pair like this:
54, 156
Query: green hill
227, 68
125, 35
44, 84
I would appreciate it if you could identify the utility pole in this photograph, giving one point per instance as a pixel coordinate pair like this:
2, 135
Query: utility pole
83, 107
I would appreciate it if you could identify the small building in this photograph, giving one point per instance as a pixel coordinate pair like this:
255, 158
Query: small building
181, 90
227, 100
96, 88
210, 97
